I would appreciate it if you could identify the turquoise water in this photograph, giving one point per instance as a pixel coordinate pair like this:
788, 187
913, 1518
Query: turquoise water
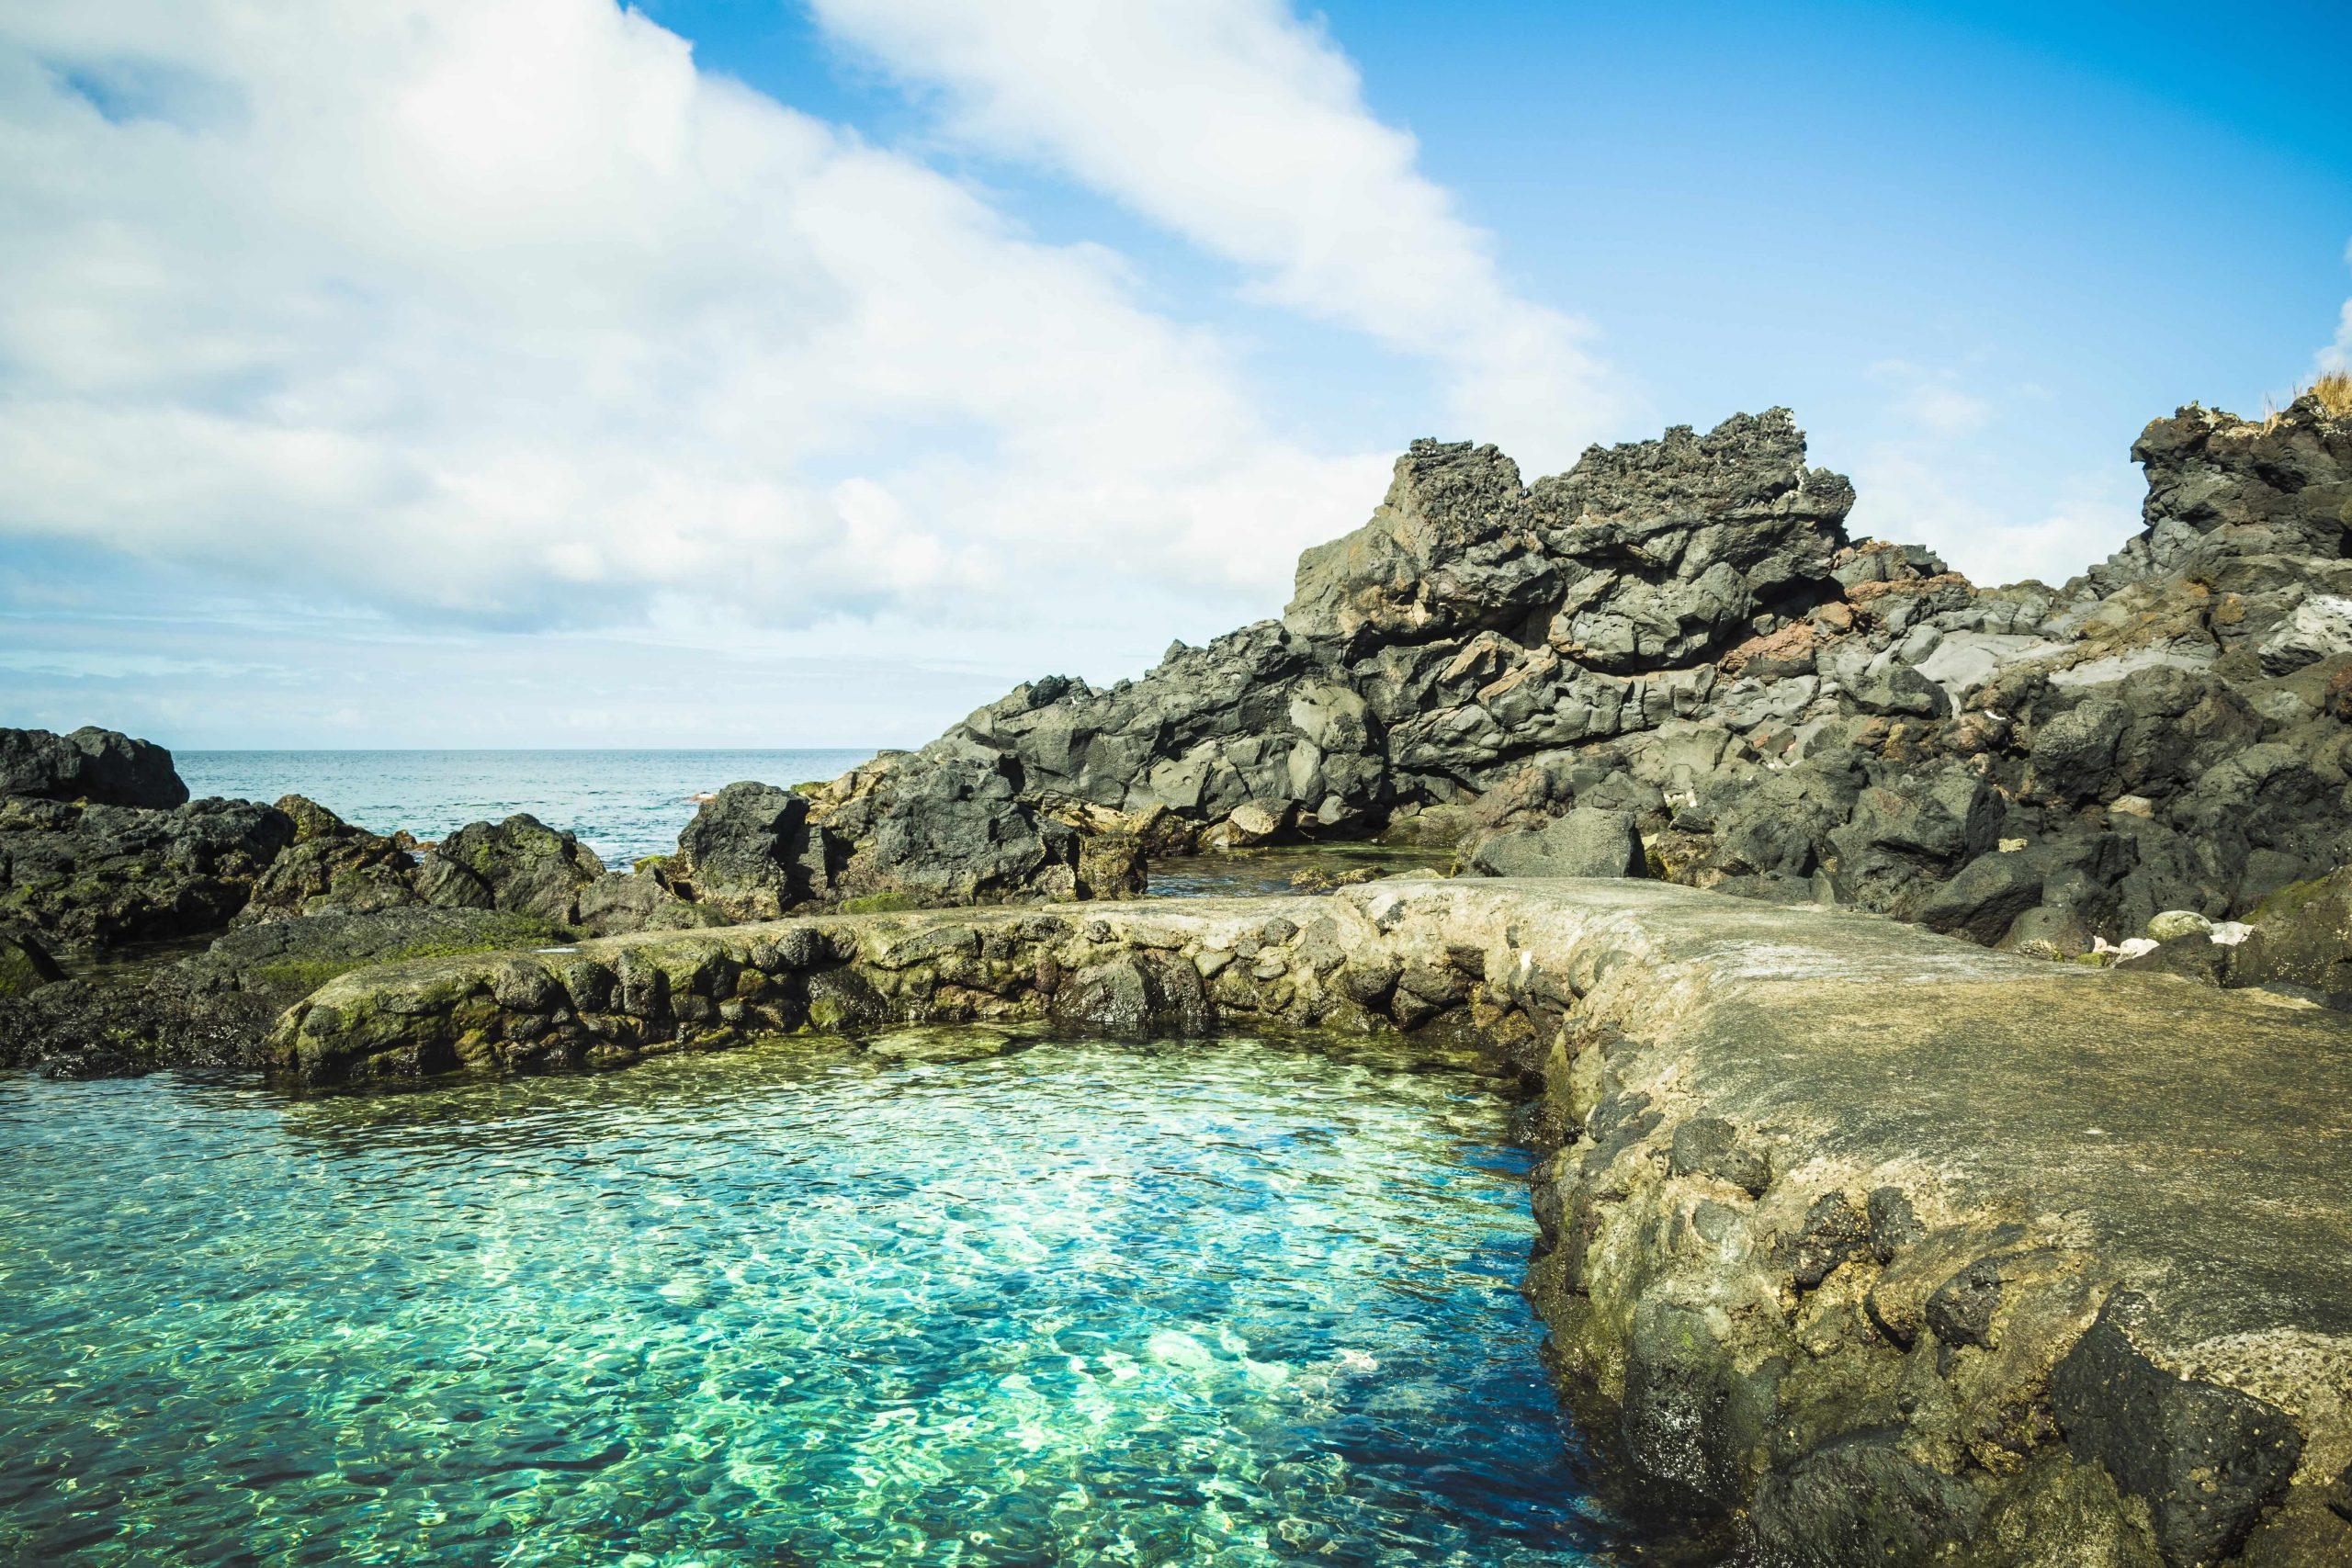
1091, 1303
624, 804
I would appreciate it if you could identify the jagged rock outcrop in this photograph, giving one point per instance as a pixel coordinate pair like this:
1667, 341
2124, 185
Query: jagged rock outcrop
1677, 629
88, 875
1474, 622
91, 764
1682, 629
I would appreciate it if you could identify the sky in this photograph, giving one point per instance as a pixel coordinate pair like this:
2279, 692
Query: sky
807, 372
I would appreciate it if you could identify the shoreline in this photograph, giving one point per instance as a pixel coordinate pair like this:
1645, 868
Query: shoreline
1792, 1301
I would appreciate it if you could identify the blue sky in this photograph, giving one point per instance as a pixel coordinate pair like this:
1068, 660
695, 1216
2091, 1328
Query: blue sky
536, 372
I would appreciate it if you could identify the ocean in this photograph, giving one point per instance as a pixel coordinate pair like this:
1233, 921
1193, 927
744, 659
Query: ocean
624, 804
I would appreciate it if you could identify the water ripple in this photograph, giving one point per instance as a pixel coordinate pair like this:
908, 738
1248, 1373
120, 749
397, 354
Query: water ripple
1231, 1304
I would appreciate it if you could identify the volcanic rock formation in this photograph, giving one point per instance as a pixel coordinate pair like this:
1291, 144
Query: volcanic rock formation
1682, 629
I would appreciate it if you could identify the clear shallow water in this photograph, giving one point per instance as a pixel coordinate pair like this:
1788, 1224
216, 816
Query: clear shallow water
624, 804
1210, 1303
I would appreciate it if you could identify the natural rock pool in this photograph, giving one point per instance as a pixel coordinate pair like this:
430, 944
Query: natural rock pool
1222, 1302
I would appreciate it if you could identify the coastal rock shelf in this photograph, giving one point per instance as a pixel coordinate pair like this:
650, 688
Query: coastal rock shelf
1896, 1249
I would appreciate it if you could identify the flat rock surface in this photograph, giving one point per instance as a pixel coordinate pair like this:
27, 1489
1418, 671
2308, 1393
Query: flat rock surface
2204, 1136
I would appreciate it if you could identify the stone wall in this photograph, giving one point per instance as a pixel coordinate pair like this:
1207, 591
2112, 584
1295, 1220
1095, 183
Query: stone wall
1894, 1248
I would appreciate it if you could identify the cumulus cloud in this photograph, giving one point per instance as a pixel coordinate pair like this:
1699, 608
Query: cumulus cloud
503, 309
1244, 128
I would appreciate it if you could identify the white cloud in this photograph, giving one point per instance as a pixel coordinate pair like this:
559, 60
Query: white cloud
1964, 502
2337, 356
500, 309
1944, 472
1933, 401
1244, 128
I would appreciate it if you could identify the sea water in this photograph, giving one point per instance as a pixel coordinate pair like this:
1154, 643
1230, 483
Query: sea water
624, 804
1227, 1303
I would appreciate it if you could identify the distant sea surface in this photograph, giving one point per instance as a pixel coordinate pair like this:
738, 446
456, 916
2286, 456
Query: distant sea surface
624, 804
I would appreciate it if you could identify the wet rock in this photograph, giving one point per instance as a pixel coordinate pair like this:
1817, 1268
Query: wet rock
1961, 1310
1140, 994
1862, 1500
214, 1008
1693, 1407
1833, 1233
25, 964
1894, 1223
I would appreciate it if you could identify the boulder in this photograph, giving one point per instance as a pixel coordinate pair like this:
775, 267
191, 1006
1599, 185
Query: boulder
1588, 841
1451, 548
332, 865
619, 902
952, 832
2172, 924
91, 764
520, 866
1985, 899
752, 852
87, 876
